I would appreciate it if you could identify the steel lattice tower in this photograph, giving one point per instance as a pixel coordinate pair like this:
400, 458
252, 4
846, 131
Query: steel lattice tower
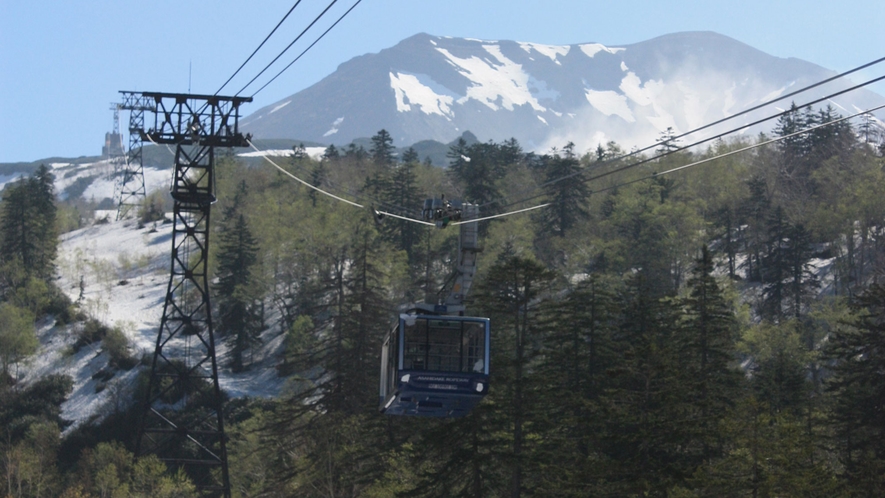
182, 421
114, 149
129, 188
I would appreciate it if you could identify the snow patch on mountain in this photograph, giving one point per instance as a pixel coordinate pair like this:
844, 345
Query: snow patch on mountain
591, 49
280, 106
610, 103
315, 153
641, 93
502, 85
334, 129
777, 93
422, 92
550, 51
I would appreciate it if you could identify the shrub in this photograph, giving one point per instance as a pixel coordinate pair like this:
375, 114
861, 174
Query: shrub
116, 344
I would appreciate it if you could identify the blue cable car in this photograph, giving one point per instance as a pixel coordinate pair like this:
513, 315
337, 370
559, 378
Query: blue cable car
434, 365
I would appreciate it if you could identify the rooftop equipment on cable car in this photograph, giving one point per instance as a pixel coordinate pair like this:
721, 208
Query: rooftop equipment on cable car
435, 360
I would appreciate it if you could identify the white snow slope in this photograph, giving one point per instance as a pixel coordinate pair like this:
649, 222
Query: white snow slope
106, 256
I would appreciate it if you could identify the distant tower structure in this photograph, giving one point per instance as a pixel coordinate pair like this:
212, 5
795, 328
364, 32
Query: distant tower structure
113, 142
129, 188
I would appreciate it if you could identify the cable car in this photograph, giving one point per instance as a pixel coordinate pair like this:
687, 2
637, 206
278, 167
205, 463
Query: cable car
434, 365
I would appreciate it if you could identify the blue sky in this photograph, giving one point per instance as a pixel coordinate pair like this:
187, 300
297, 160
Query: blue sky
62, 63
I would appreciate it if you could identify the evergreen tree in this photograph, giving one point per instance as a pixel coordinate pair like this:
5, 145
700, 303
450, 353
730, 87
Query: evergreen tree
567, 197
776, 268
857, 353
578, 351
477, 169
358, 154
755, 211
366, 319
457, 155
668, 141
508, 296
317, 177
382, 151
802, 281
706, 339
240, 307
331, 153
399, 190
646, 431
27, 224
410, 156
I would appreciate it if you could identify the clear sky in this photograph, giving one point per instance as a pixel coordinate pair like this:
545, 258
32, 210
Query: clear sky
63, 62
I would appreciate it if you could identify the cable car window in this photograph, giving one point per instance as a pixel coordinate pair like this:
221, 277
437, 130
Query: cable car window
444, 345
444, 352
474, 346
415, 345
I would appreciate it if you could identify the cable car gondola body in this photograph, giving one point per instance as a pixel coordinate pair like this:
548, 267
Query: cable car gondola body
434, 365
435, 360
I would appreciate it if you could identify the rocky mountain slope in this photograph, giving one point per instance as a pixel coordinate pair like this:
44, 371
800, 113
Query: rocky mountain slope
431, 87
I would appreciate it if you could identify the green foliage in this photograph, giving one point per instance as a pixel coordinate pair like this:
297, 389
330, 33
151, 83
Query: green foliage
17, 336
240, 307
116, 344
565, 195
108, 470
624, 362
857, 350
37, 403
27, 224
152, 208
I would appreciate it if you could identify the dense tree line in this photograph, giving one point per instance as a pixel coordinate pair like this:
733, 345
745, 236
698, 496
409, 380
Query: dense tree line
715, 332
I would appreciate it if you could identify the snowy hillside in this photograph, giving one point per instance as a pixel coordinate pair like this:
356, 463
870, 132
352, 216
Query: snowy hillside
125, 274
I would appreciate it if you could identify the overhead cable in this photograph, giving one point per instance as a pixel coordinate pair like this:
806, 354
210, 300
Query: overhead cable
342, 199
720, 121
259, 47
288, 46
308, 48
685, 166
678, 149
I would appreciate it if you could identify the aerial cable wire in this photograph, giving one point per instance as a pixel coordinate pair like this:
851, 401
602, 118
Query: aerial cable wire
720, 121
685, 166
346, 201
743, 149
259, 47
334, 187
287, 47
675, 150
540, 206
308, 48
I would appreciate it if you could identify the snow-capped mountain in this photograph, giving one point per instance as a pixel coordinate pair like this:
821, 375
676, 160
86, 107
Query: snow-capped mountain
431, 87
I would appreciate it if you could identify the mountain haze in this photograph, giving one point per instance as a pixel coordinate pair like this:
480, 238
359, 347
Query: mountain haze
431, 87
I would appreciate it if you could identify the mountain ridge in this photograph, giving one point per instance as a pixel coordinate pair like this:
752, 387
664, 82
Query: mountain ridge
429, 87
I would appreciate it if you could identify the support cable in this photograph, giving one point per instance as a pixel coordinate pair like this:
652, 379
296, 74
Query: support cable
738, 151
679, 168
720, 121
308, 48
259, 47
675, 150
287, 47
540, 206
346, 201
